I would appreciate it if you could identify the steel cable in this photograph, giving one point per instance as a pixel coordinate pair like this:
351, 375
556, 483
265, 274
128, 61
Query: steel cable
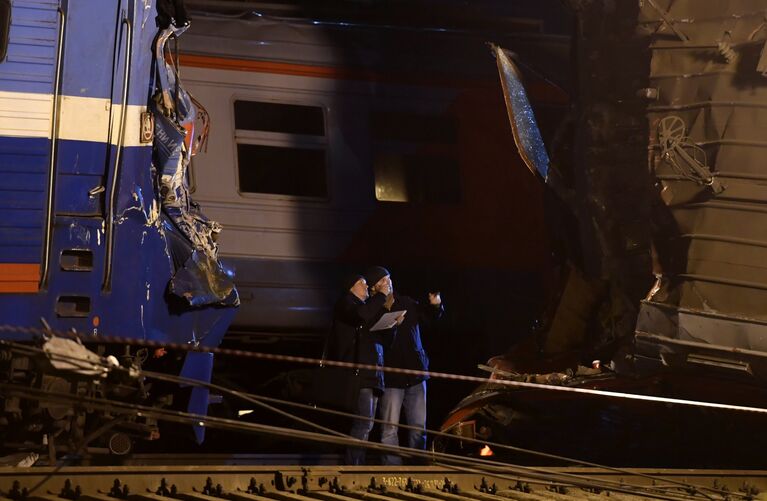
223, 423
397, 370
260, 400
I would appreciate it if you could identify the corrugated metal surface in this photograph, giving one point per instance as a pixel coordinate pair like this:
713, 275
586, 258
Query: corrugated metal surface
707, 118
710, 88
29, 66
26, 83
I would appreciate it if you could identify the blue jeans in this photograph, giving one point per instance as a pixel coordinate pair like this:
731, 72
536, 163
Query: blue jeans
367, 401
413, 400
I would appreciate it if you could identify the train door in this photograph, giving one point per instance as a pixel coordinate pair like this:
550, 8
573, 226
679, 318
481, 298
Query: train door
96, 61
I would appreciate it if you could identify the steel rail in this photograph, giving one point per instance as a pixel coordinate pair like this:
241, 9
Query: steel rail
260, 400
289, 433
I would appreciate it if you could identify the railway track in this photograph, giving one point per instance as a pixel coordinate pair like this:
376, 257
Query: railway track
451, 478
338, 483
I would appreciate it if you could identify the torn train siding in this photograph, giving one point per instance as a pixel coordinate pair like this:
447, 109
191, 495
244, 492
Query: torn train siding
180, 130
597, 172
668, 179
707, 120
668, 176
524, 128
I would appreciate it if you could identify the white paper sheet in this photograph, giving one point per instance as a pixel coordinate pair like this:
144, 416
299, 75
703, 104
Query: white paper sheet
387, 321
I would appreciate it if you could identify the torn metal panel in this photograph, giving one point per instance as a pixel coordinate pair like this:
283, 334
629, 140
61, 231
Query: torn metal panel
527, 136
70, 355
200, 278
180, 130
603, 181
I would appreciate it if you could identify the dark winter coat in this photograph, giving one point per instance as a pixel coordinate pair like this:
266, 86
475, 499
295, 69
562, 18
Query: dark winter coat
406, 350
353, 318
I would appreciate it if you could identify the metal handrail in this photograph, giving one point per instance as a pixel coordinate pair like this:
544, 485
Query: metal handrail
47, 236
109, 223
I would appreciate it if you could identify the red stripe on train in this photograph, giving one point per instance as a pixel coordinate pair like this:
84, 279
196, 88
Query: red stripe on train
17, 277
539, 90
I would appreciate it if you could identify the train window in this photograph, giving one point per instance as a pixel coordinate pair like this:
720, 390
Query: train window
417, 178
278, 170
5, 27
278, 117
416, 157
281, 149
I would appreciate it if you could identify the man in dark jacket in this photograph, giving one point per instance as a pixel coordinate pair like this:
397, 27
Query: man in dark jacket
405, 351
351, 341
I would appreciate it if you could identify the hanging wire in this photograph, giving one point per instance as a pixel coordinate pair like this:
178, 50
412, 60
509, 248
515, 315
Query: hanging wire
412, 372
484, 467
249, 13
260, 400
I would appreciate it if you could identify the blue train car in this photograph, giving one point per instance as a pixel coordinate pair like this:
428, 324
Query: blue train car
97, 232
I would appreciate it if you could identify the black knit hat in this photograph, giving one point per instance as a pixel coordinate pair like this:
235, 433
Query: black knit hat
374, 274
349, 280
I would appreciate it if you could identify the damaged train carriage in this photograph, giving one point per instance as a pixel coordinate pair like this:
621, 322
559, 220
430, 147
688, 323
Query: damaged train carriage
666, 180
345, 138
99, 235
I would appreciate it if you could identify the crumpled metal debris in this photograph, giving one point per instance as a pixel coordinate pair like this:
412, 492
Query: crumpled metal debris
70, 355
201, 281
558, 378
200, 278
20, 459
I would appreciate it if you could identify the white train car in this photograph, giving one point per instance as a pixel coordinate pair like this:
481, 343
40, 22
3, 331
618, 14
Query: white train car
335, 146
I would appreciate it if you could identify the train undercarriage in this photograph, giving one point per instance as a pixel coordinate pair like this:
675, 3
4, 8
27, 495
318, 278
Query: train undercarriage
55, 399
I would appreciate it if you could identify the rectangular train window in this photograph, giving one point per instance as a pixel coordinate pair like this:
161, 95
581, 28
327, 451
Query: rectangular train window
416, 158
281, 149
5, 27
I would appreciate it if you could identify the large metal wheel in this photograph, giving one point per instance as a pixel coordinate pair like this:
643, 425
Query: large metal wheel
671, 131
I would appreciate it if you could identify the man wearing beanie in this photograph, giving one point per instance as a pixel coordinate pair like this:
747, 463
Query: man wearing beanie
351, 341
403, 393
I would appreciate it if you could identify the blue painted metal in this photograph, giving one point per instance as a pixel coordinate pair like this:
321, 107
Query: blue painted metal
198, 366
32, 42
23, 167
81, 157
137, 305
89, 49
